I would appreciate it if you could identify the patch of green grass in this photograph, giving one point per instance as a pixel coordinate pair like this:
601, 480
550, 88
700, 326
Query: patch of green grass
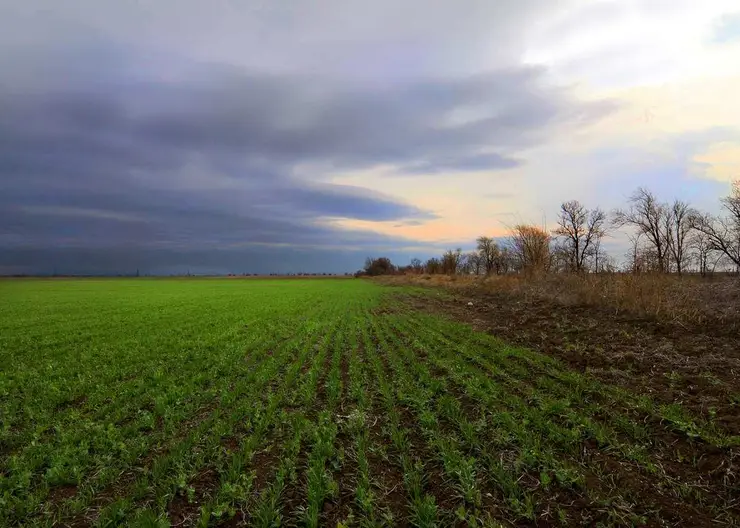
281, 402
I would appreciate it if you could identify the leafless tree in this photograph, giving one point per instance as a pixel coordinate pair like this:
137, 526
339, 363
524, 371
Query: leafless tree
451, 261
634, 256
487, 249
494, 257
433, 265
723, 236
606, 264
580, 230
601, 259
723, 232
648, 216
463, 265
416, 265
561, 257
474, 262
701, 250
379, 266
504, 260
531, 248
678, 228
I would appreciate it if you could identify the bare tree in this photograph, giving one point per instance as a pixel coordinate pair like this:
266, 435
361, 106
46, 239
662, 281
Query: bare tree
416, 265
463, 266
606, 264
678, 228
701, 250
531, 248
601, 260
451, 261
561, 257
494, 257
634, 256
379, 266
474, 262
723, 232
580, 229
503, 262
648, 217
487, 249
433, 265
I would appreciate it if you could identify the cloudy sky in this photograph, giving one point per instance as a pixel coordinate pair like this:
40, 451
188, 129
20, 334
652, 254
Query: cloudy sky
257, 136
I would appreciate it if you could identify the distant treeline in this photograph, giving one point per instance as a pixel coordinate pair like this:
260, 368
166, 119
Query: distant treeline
665, 237
172, 275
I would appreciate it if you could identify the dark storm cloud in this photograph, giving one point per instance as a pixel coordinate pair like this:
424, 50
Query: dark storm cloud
433, 124
438, 124
106, 150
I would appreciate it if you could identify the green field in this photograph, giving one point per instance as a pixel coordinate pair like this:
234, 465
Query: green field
157, 402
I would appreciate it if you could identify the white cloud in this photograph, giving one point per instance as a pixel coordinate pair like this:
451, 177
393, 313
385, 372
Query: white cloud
618, 44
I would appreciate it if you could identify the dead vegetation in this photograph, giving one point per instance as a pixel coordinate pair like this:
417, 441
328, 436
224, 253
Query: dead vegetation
711, 303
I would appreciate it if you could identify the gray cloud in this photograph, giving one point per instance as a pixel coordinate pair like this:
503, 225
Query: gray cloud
107, 149
350, 38
472, 162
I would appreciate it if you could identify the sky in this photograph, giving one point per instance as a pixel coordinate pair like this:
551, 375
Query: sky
227, 136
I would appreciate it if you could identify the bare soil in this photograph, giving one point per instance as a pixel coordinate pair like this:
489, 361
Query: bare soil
182, 509
698, 367
670, 363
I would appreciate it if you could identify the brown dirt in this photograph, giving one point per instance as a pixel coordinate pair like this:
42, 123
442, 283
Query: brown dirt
638, 354
633, 482
183, 510
711, 303
230, 444
265, 464
60, 493
344, 376
388, 475
293, 493
669, 362
577, 505
321, 392
437, 484
74, 403
121, 487
338, 508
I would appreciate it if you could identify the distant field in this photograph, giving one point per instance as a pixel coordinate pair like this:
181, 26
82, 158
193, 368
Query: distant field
184, 402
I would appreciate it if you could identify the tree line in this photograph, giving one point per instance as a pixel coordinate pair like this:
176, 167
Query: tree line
665, 237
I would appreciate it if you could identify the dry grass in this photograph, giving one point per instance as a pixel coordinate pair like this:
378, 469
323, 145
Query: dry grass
687, 300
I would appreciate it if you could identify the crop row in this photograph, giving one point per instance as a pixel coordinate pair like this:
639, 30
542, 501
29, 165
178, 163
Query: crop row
339, 406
